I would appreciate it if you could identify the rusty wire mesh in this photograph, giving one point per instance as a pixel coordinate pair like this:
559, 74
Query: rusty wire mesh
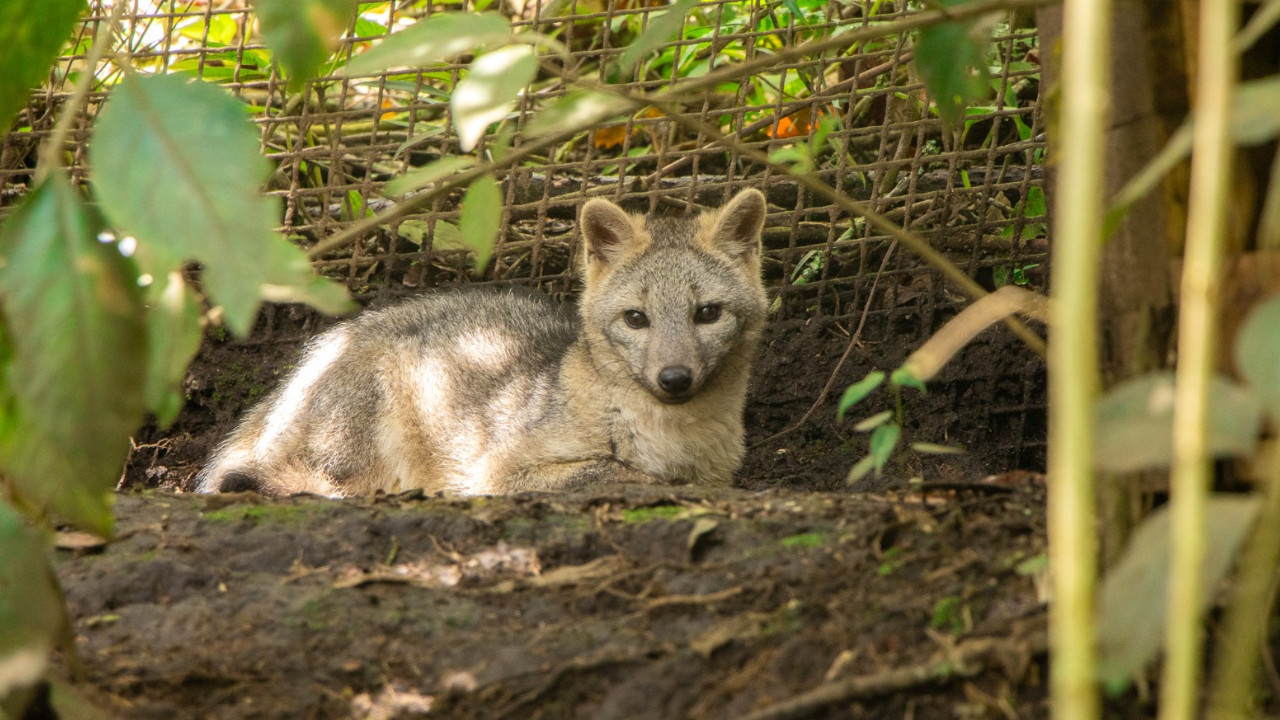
969, 191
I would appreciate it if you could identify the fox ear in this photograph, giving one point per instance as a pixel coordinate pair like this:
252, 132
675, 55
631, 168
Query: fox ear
607, 229
739, 223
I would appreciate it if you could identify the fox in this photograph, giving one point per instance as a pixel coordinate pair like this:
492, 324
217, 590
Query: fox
493, 392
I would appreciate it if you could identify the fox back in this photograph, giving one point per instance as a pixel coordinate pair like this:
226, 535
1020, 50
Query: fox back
484, 392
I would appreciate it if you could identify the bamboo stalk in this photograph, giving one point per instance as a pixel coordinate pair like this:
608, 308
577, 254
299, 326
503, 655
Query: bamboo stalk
1231, 694
1073, 356
1206, 226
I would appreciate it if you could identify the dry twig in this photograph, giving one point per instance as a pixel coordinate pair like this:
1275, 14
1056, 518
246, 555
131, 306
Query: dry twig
967, 659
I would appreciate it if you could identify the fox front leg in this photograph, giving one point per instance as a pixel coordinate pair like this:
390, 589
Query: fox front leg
579, 475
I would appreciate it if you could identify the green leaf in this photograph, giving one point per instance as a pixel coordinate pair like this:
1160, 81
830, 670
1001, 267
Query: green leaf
1134, 422
1034, 205
438, 170
953, 66
1132, 602
31, 34
481, 218
903, 377
860, 469
303, 34
413, 230
490, 90
500, 144
799, 158
173, 337
366, 28
176, 164
874, 421
857, 391
447, 236
883, 441
32, 612
1035, 565
287, 278
74, 320
1020, 273
578, 110
437, 38
1258, 353
925, 448
68, 702
1254, 117
662, 28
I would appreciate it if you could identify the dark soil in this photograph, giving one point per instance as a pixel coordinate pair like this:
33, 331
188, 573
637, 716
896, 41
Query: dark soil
635, 602
795, 595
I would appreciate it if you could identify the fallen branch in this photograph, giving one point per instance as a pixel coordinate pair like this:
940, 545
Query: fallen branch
967, 659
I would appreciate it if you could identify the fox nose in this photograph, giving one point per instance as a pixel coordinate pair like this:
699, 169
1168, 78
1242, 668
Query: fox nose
675, 379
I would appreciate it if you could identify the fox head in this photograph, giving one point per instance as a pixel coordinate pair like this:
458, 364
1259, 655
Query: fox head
678, 302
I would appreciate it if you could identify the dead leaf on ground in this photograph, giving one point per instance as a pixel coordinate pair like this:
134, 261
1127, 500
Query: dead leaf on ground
701, 528
77, 540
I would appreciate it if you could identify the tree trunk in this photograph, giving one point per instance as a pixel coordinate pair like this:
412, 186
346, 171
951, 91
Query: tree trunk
1136, 294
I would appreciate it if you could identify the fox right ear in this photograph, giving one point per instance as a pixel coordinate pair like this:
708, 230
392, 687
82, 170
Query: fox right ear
739, 223
606, 228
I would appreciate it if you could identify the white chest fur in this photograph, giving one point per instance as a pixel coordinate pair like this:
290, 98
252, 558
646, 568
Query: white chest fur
697, 442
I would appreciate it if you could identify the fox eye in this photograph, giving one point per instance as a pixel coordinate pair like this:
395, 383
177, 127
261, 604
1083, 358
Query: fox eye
708, 313
635, 319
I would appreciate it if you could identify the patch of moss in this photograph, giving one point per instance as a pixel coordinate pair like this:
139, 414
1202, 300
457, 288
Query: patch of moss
147, 556
462, 618
239, 382
949, 614
659, 512
530, 530
890, 561
804, 540
313, 615
785, 620
277, 514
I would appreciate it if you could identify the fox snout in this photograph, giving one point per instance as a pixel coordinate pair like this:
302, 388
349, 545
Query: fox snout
675, 383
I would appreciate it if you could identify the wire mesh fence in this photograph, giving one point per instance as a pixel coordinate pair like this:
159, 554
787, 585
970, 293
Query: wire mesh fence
854, 115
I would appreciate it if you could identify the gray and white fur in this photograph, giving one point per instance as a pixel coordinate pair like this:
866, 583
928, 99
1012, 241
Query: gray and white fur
491, 392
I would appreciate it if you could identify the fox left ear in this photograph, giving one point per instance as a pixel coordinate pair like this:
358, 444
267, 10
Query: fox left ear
739, 223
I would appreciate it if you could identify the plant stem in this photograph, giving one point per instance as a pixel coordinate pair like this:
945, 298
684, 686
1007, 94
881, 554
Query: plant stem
1206, 225
1073, 356
51, 152
1231, 694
